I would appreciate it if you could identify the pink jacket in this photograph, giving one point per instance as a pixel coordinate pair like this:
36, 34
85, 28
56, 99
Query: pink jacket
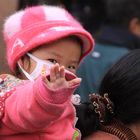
34, 112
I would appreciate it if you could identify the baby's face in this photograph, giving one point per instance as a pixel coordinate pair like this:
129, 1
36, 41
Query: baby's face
66, 52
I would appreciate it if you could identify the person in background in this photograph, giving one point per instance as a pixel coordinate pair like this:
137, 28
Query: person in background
27, 3
45, 45
22, 4
114, 113
119, 34
88, 12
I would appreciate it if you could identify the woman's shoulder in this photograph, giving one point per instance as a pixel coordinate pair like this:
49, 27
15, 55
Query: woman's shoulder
100, 135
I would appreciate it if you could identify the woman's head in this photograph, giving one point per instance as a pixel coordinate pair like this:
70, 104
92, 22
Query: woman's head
116, 14
35, 26
122, 83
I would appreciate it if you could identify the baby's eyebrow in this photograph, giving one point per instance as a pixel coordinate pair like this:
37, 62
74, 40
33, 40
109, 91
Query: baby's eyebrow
74, 61
56, 54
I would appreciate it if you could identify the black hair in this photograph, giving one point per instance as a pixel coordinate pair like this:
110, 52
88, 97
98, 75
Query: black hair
122, 83
121, 12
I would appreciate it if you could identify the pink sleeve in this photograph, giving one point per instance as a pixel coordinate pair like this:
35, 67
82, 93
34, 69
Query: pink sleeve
32, 107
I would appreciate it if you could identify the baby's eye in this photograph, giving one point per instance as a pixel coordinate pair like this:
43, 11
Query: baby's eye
52, 61
72, 67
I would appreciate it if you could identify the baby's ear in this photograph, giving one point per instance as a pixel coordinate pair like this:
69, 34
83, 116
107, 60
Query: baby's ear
25, 62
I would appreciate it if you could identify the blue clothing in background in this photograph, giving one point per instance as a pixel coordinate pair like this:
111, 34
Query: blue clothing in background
112, 44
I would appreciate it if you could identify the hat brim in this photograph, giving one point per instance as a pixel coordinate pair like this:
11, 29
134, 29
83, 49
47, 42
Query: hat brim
54, 33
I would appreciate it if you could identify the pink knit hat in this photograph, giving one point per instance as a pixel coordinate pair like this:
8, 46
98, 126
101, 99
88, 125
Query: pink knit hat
34, 26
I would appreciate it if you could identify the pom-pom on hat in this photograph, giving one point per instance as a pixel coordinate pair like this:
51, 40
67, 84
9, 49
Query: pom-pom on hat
37, 25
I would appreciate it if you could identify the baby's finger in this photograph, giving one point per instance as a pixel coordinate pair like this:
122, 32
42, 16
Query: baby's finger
44, 78
57, 71
62, 72
74, 82
53, 73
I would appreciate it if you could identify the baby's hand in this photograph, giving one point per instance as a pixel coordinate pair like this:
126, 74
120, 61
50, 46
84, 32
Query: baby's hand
57, 78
